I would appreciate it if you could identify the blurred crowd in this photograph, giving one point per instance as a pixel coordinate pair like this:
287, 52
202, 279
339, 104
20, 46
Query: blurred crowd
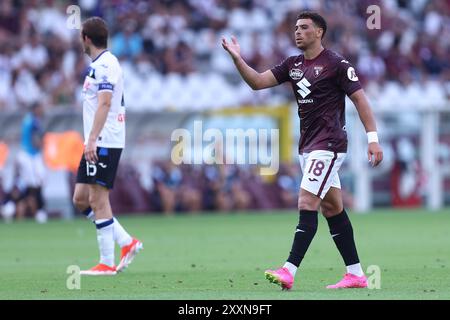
172, 57
196, 188
223, 188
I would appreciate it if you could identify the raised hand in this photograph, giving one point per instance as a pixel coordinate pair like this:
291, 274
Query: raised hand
233, 48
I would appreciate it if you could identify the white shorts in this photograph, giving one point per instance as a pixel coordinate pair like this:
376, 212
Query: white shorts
32, 169
320, 171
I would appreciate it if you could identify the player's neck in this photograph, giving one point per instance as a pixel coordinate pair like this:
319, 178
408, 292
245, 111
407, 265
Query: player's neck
313, 52
95, 52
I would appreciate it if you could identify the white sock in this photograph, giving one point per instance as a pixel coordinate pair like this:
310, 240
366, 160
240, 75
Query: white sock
120, 235
105, 239
292, 268
355, 269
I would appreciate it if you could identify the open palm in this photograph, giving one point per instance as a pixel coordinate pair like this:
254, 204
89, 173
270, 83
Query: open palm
233, 47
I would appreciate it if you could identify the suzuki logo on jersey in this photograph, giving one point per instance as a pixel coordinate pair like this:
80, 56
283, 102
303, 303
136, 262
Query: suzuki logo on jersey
303, 85
296, 74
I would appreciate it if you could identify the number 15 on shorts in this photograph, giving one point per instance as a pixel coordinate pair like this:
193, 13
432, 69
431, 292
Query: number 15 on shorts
91, 169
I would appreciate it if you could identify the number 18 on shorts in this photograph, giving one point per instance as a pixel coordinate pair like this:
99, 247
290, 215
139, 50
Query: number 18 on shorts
320, 171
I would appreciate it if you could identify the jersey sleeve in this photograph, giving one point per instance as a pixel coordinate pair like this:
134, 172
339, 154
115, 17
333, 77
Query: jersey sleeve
107, 77
347, 78
281, 71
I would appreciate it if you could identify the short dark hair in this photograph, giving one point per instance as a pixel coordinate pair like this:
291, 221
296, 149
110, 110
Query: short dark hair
318, 20
95, 28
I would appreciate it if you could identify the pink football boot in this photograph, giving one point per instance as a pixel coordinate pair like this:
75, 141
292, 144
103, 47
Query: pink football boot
350, 281
281, 276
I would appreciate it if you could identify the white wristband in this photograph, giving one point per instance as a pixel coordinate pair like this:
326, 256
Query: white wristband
372, 136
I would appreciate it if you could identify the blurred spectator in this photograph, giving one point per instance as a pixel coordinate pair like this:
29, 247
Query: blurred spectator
31, 165
33, 55
165, 182
288, 182
24, 196
14, 203
10, 18
127, 44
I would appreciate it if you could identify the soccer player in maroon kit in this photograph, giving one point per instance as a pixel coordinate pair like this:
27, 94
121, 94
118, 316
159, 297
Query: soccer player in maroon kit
320, 79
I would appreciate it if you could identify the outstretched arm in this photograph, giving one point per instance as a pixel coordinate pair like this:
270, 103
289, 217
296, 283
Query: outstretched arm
374, 151
254, 79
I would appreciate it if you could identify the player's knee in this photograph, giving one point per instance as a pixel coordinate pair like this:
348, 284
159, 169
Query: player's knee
329, 209
308, 202
80, 202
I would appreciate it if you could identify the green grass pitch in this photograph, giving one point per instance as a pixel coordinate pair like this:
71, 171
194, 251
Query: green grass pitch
223, 256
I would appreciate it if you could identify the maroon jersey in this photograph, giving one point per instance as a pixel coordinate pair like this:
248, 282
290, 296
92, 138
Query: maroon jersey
320, 86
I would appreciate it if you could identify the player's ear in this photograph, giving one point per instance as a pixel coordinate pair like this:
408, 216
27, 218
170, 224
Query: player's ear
319, 33
85, 38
